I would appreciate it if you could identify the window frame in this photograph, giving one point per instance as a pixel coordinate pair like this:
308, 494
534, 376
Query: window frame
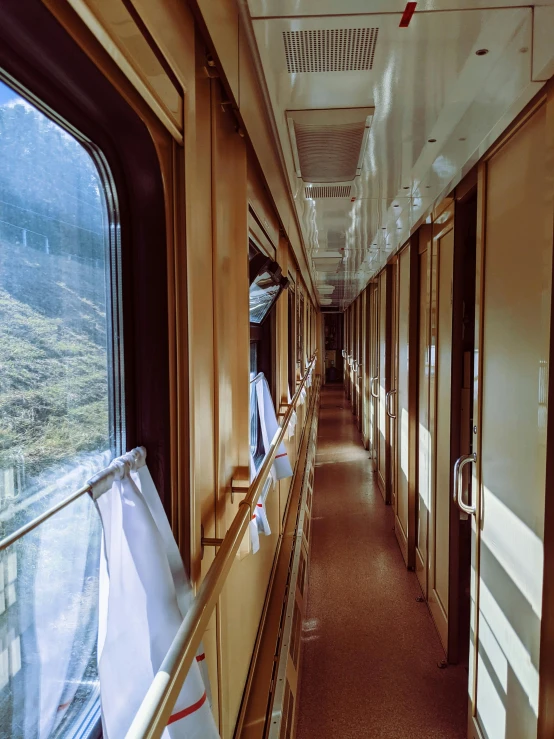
134, 153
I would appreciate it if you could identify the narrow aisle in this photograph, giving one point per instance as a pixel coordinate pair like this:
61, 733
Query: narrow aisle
370, 649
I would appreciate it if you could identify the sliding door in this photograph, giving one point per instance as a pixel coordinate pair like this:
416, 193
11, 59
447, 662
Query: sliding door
440, 504
513, 327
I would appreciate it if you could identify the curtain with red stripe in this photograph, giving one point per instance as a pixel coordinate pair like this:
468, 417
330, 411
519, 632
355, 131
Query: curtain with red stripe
269, 425
144, 595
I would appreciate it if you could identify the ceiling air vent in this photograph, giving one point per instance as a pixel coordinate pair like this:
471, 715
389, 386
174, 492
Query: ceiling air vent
328, 145
331, 50
316, 192
327, 261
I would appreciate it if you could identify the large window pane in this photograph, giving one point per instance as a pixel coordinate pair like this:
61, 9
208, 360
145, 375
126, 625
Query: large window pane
57, 417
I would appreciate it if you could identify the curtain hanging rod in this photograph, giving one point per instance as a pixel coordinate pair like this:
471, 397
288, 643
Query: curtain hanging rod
98, 484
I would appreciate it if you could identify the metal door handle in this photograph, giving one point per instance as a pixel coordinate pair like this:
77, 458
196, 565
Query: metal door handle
387, 403
373, 380
458, 467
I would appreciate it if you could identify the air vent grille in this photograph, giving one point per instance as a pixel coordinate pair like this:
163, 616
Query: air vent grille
329, 191
329, 153
332, 50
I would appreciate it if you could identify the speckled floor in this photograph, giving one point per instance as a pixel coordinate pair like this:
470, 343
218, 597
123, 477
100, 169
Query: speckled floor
370, 649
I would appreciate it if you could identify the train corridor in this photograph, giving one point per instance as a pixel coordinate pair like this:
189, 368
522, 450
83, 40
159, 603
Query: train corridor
371, 651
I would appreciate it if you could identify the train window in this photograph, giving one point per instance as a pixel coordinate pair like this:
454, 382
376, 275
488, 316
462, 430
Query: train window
300, 332
60, 401
291, 345
266, 284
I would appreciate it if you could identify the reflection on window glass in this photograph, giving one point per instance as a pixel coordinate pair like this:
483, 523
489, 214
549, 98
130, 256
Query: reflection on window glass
263, 293
56, 420
257, 449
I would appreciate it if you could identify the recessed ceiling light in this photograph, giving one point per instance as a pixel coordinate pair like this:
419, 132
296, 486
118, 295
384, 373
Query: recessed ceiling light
431, 141
482, 52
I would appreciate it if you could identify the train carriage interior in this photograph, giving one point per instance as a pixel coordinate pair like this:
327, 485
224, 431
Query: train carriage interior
275, 332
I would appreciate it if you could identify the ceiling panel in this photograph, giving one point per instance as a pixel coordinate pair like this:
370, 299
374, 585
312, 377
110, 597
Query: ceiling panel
296, 8
435, 100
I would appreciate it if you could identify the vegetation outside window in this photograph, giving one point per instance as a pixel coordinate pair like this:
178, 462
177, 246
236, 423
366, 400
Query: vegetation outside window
60, 401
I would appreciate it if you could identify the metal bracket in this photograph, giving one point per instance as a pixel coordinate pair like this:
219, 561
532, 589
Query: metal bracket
207, 541
283, 408
239, 485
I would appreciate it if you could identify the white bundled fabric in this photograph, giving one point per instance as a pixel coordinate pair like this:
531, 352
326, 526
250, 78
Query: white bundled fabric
144, 596
292, 423
269, 426
259, 522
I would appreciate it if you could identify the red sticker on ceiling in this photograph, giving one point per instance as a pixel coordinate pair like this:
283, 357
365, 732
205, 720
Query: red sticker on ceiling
409, 10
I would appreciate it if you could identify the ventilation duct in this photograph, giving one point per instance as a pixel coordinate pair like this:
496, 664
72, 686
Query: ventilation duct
330, 50
315, 192
328, 145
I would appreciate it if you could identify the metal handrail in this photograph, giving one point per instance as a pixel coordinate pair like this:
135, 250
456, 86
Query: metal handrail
151, 719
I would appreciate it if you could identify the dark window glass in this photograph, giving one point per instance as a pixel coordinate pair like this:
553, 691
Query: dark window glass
263, 294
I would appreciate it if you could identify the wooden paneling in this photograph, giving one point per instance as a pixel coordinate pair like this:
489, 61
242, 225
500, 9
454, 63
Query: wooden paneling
222, 22
119, 32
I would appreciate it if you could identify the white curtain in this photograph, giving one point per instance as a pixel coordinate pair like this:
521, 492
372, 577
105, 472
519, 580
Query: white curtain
292, 423
144, 595
269, 425
52, 621
259, 522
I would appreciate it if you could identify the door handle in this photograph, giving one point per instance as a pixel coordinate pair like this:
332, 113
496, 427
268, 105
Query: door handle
373, 380
387, 403
458, 467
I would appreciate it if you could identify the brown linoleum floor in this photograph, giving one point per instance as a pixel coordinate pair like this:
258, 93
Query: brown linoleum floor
370, 649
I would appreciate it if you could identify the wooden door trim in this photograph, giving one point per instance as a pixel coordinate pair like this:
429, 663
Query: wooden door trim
413, 386
545, 719
424, 235
388, 371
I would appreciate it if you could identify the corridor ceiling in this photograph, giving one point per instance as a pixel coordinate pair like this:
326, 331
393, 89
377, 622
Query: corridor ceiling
386, 118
